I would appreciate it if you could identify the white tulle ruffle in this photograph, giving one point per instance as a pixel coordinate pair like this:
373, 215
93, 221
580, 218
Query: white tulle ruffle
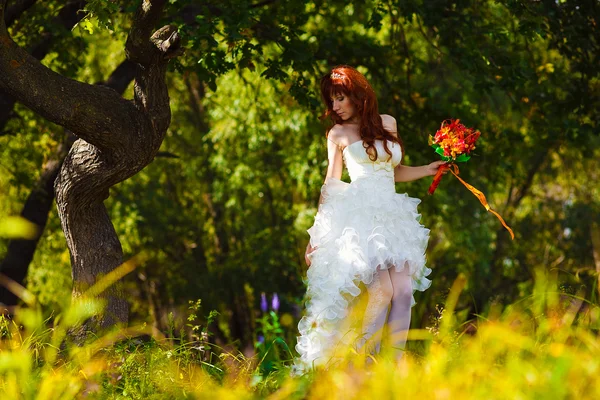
360, 227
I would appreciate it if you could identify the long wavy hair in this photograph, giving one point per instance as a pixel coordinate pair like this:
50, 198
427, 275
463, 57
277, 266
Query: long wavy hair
346, 80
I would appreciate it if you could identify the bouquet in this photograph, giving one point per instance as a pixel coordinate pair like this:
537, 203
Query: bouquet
454, 142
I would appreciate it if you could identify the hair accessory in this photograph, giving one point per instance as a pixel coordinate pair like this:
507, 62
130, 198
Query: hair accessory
335, 75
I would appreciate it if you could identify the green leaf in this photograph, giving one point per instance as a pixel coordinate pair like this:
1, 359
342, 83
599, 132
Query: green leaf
87, 25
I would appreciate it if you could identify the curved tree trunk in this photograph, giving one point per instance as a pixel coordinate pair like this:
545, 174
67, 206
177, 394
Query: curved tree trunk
117, 138
20, 252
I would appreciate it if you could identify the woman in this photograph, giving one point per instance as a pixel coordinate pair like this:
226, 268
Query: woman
364, 231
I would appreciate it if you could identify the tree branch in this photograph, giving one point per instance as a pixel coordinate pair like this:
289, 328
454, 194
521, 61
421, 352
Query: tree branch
95, 113
138, 46
67, 17
121, 77
426, 37
538, 160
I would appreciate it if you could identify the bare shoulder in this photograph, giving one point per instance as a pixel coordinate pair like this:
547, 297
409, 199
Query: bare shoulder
387, 118
389, 123
340, 135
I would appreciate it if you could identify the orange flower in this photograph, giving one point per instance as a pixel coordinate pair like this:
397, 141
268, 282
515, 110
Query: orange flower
454, 138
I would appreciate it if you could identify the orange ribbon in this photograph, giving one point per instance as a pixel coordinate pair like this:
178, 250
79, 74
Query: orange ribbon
454, 169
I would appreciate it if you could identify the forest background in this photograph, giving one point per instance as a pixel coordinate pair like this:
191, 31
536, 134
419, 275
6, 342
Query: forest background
221, 213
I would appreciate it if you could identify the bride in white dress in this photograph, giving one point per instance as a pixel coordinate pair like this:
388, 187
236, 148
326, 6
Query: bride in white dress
363, 231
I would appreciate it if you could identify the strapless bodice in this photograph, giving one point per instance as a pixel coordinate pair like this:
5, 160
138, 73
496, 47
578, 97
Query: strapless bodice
360, 165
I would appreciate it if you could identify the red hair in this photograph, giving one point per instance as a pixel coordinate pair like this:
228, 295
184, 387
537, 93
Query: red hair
346, 80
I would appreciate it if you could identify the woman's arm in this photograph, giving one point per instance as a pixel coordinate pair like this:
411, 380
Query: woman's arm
335, 160
335, 168
404, 173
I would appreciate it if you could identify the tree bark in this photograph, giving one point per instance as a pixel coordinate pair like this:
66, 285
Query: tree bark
117, 138
15, 264
67, 17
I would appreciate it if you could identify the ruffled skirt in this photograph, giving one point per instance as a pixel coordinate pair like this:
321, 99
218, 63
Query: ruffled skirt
360, 228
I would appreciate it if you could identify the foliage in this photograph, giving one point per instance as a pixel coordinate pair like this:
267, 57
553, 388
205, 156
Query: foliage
544, 346
221, 213
271, 348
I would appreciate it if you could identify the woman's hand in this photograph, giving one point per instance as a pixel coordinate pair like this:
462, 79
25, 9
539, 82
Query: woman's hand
309, 250
432, 169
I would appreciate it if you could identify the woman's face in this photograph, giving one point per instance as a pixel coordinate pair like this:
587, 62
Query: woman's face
343, 107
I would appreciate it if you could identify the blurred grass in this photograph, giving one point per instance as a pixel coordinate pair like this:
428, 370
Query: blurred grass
15, 227
543, 347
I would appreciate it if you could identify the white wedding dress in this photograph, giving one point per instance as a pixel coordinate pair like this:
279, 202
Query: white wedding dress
360, 227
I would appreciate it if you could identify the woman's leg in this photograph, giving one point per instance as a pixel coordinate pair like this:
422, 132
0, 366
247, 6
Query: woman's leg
380, 294
399, 317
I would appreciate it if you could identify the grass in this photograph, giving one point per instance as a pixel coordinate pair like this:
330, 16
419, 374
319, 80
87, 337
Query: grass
543, 347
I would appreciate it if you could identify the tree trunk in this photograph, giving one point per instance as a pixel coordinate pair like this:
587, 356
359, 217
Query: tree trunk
117, 138
39, 202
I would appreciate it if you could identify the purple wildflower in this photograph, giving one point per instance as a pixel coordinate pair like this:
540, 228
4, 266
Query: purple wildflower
261, 339
263, 302
275, 302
